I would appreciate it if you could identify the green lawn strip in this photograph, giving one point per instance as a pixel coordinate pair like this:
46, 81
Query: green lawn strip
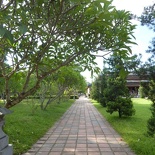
24, 128
133, 129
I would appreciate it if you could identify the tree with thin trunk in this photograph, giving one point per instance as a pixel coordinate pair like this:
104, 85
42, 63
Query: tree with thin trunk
39, 37
53, 87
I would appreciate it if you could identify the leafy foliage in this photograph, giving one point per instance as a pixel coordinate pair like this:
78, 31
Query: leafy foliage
42, 36
98, 88
118, 99
55, 86
115, 96
121, 105
144, 89
148, 19
151, 121
110, 89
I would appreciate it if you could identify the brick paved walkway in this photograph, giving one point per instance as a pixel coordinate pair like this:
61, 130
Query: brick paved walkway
81, 131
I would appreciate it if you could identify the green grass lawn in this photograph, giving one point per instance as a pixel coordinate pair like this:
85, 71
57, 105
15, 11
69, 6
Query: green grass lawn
27, 124
133, 129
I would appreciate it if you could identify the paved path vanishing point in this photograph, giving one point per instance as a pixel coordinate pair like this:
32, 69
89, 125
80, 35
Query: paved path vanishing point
81, 131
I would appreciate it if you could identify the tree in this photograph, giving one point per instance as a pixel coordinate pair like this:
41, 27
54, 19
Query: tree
118, 98
95, 89
98, 88
41, 36
151, 121
148, 19
117, 94
54, 86
111, 90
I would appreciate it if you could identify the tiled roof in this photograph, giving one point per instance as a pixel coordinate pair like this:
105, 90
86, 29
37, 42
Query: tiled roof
134, 80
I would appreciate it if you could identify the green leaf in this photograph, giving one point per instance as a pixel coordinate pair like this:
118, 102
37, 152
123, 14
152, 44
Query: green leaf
76, 1
123, 73
40, 2
23, 29
2, 31
20, 1
6, 34
9, 36
129, 49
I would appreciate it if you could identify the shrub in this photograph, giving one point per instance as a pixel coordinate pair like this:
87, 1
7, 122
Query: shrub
151, 126
103, 101
123, 106
151, 121
117, 97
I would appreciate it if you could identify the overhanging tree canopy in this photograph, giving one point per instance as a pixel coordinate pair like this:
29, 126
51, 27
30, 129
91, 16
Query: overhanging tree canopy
41, 36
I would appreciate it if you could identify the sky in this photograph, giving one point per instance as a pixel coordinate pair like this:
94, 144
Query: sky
142, 34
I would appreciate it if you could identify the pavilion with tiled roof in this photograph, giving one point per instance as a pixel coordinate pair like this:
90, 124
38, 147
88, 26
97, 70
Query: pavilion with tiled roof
133, 83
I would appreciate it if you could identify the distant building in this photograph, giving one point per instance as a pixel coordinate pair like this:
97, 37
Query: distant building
133, 83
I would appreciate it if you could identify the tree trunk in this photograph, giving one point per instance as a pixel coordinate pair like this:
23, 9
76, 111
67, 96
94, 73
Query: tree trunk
21, 96
120, 113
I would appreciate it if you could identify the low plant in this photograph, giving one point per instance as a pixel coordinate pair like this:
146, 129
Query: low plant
118, 97
123, 106
151, 120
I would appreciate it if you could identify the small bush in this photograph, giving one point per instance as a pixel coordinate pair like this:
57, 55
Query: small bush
151, 121
103, 101
123, 106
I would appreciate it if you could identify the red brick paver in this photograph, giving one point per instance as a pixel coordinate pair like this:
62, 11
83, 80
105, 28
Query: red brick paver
81, 131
